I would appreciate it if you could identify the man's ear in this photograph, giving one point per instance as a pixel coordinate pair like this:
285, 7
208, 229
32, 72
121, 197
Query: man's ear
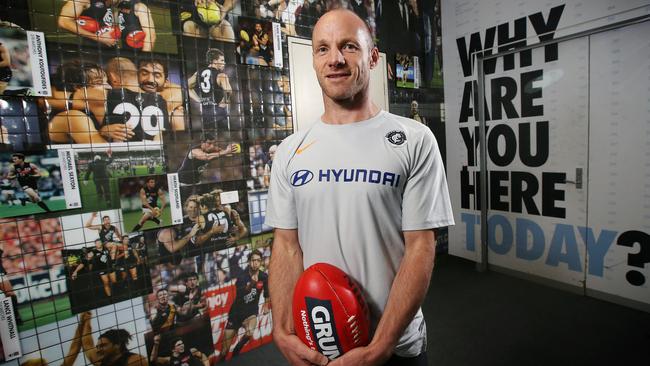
374, 57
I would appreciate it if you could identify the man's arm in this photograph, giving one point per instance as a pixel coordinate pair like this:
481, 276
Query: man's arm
163, 200
166, 237
143, 198
6, 58
146, 21
154, 352
405, 297
89, 223
87, 340
285, 269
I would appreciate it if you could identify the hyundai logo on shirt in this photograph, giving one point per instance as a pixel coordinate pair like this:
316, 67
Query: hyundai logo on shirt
301, 177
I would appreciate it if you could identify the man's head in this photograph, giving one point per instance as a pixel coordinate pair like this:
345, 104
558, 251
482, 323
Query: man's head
192, 280
98, 244
152, 75
258, 27
163, 296
106, 221
255, 260
151, 183
18, 158
414, 106
272, 151
191, 207
343, 55
121, 72
207, 203
215, 58
178, 346
112, 343
208, 143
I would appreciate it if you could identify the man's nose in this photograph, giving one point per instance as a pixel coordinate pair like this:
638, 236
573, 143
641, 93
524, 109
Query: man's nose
335, 58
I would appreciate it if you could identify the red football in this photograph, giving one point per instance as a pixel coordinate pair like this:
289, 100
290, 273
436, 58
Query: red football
329, 312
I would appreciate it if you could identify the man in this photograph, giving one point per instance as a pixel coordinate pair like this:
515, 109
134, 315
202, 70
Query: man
98, 167
262, 46
194, 22
415, 112
127, 260
178, 355
251, 284
188, 297
112, 346
5, 285
149, 195
198, 157
163, 315
178, 239
108, 233
374, 221
102, 264
27, 175
137, 30
210, 87
90, 19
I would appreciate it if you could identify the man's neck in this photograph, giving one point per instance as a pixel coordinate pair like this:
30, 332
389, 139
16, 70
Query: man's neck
340, 113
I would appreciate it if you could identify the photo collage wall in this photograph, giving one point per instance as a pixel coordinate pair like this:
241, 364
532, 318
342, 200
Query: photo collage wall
137, 139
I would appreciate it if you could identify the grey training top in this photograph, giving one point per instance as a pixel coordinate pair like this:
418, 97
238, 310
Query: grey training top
351, 190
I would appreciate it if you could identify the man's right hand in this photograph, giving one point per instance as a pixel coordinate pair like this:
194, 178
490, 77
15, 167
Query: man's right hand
116, 132
296, 352
106, 38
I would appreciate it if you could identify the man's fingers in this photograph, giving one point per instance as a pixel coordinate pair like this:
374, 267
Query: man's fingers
307, 353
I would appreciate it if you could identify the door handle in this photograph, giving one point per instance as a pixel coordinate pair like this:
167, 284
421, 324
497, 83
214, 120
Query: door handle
578, 181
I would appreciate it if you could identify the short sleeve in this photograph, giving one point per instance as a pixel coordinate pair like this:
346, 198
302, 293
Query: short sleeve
426, 202
280, 205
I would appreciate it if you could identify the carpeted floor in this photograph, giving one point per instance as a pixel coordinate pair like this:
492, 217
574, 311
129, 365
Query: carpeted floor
494, 319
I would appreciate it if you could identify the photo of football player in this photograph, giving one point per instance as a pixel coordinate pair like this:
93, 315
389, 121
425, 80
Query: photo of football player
220, 225
178, 354
124, 102
198, 157
251, 284
131, 22
108, 233
178, 241
208, 18
149, 195
163, 315
99, 168
27, 174
210, 86
111, 348
188, 297
256, 42
127, 260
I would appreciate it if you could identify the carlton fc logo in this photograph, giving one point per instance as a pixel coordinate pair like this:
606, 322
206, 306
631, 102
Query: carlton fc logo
396, 137
301, 177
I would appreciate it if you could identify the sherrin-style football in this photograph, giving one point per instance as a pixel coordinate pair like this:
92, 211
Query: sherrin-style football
329, 312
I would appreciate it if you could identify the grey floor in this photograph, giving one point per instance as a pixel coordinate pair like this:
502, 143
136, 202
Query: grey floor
493, 319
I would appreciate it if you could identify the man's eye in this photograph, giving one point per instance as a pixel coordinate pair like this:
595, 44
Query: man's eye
350, 47
321, 50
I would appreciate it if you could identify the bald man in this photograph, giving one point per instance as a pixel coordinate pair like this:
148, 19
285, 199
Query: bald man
375, 219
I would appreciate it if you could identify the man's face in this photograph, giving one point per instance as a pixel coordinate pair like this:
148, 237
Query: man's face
255, 262
106, 221
98, 244
208, 146
163, 297
342, 57
219, 63
16, 160
151, 77
258, 27
192, 282
106, 349
179, 346
151, 183
191, 209
272, 150
414, 106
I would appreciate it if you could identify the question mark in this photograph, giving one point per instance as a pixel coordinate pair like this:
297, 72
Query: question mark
628, 239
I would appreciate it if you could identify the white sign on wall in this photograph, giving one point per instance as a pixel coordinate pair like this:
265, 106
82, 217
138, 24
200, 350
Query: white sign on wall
541, 135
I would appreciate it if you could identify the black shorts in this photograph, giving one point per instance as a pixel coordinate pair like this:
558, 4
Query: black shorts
419, 360
236, 318
214, 117
28, 183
